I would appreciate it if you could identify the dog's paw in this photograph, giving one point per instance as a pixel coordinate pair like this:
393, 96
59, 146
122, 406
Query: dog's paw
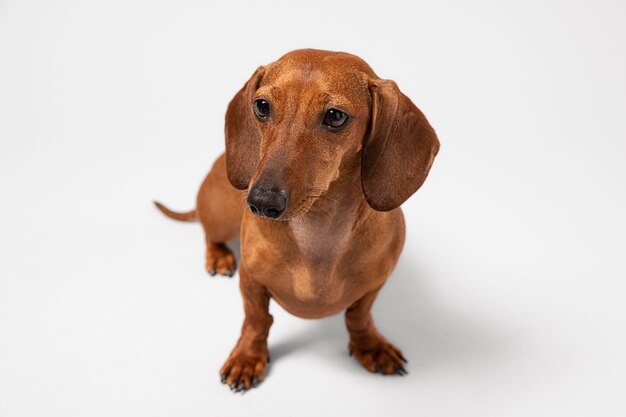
382, 358
220, 260
242, 372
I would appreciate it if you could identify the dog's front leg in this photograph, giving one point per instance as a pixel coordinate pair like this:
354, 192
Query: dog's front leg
368, 346
245, 367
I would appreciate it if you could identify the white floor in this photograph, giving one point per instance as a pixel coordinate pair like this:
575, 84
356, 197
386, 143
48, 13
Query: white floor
509, 297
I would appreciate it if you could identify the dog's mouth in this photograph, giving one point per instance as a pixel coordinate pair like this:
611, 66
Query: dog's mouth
300, 210
288, 211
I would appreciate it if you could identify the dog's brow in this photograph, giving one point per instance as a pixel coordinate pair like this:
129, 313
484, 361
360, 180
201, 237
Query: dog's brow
267, 90
336, 100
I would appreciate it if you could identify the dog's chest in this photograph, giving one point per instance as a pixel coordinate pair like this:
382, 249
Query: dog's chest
312, 268
320, 247
320, 242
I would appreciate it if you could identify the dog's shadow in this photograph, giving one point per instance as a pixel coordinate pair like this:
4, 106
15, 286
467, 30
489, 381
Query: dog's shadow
408, 314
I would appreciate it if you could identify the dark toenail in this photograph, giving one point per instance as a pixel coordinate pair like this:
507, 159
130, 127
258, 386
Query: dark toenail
212, 272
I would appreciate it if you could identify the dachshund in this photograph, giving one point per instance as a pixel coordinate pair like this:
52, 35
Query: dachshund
320, 154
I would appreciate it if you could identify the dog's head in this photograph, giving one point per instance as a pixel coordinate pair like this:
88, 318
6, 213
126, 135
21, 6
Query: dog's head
300, 121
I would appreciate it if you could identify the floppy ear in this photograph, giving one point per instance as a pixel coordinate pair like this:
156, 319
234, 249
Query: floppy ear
399, 149
243, 137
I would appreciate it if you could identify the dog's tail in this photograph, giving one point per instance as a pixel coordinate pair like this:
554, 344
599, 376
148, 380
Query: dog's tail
188, 216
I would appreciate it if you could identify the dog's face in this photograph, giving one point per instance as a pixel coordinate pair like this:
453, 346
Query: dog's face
299, 122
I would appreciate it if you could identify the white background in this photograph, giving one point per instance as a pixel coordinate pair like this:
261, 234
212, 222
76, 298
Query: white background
509, 297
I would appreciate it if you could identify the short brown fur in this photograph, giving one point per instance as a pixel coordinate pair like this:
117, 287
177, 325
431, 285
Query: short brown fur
342, 232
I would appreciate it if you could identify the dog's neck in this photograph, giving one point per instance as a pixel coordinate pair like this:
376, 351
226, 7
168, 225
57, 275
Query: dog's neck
329, 223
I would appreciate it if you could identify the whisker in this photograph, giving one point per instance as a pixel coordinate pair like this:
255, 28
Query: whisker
322, 193
322, 196
330, 198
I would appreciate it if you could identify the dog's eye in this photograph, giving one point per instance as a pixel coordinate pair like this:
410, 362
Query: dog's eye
335, 118
261, 109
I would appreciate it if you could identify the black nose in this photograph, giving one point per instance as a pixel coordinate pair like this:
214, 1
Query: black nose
267, 202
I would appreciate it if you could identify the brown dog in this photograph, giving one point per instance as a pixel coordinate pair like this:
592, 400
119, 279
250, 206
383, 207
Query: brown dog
324, 152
